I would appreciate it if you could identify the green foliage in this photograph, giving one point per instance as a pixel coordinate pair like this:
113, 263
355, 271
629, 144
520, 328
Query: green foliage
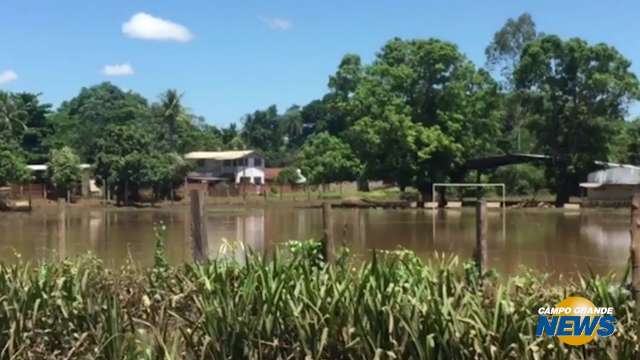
12, 116
306, 250
288, 176
423, 109
81, 120
262, 131
13, 168
63, 169
326, 158
392, 305
577, 95
507, 44
523, 179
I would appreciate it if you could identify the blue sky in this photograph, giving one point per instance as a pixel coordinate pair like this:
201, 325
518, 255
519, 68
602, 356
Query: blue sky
231, 58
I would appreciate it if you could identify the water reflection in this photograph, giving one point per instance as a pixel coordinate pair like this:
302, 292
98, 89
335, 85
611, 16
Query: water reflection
547, 240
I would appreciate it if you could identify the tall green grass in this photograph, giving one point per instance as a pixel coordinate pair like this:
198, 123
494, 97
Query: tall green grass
391, 306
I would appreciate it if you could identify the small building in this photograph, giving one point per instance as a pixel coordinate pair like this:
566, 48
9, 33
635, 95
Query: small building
237, 167
38, 186
271, 180
614, 185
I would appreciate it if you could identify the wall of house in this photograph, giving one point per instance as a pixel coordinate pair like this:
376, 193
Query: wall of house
254, 168
612, 192
252, 173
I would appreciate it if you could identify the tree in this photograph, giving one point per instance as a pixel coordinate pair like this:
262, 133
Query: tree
325, 158
175, 120
82, 119
504, 53
577, 95
288, 176
12, 115
292, 126
262, 131
122, 155
37, 129
423, 110
162, 173
13, 168
507, 45
63, 170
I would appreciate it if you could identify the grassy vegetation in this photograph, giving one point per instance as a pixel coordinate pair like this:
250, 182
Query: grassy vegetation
290, 306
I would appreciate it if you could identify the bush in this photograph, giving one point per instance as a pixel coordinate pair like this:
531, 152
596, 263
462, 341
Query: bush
393, 306
522, 179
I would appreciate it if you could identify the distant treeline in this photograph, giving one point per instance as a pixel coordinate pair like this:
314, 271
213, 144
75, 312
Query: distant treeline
412, 116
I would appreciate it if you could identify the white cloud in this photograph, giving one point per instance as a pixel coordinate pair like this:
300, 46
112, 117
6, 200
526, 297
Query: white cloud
118, 70
276, 23
149, 27
7, 76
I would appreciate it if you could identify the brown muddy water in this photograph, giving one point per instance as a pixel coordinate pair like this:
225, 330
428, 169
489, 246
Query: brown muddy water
548, 240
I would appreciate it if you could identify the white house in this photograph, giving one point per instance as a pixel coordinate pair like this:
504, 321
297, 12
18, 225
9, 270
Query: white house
240, 167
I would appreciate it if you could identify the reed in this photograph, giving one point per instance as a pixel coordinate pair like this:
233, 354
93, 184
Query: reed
391, 306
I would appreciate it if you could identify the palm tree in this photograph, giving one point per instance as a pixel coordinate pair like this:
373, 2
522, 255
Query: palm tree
172, 114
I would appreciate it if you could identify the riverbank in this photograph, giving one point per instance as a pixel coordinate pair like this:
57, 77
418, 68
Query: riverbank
380, 198
391, 305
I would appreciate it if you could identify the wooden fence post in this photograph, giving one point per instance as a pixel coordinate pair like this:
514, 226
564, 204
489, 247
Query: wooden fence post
481, 236
198, 225
328, 246
635, 251
62, 228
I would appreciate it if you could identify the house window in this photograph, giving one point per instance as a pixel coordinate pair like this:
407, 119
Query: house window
257, 162
257, 180
227, 163
200, 163
245, 180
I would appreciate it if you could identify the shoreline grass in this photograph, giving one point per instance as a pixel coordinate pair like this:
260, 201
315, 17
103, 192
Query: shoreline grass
394, 306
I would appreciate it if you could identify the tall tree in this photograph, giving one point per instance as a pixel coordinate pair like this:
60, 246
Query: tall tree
423, 110
577, 94
172, 115
37, 128
503, 54
292, 126
504, 50
79, 120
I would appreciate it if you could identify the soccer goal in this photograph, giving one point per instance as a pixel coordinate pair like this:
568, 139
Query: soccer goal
473, 185
459, 185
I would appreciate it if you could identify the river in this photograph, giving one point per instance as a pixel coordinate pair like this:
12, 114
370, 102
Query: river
549, 240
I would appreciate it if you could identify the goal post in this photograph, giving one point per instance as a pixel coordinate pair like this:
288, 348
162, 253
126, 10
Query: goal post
459, 185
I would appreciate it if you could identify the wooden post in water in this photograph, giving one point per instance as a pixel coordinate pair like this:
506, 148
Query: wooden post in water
481, 236
62, 228
328, 246
198, 225
635, 251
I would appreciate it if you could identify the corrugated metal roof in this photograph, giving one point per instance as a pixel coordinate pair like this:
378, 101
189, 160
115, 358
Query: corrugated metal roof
622, 175
218, 155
